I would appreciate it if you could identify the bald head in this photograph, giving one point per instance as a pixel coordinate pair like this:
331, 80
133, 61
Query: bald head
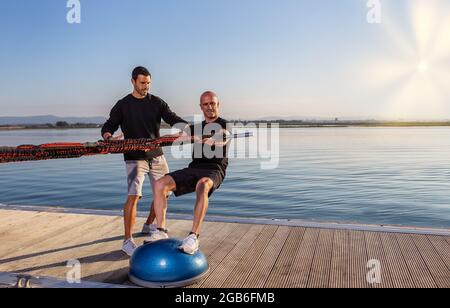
210, 95
209, 103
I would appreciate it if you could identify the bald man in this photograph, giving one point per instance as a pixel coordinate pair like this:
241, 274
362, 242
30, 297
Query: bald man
203, 176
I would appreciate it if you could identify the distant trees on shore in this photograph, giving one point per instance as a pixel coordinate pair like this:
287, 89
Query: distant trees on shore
62, 124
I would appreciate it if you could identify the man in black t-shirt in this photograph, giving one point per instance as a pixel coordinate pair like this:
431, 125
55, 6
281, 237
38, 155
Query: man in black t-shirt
139, 115
204, 175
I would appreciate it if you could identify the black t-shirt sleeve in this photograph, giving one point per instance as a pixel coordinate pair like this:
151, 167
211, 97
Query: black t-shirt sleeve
115, 119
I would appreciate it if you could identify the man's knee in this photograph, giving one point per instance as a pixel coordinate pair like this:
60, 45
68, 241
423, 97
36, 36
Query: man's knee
133, 198
132, 201
161, 186
164, 185
204, 186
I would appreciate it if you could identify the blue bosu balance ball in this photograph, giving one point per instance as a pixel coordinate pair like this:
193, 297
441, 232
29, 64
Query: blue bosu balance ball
162, 265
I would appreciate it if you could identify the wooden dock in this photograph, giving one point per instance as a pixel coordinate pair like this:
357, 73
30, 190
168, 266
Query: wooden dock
40, 243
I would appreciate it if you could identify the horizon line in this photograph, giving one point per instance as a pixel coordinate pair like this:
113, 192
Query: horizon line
274, 118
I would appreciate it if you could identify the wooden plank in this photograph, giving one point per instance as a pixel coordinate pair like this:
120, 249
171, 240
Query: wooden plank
36, 237
86, 248
263, 267
34, 231
210, 244
375, 251
21, 226
442, 247
339, 276
5, 215
15, 218
240, 273
447, 239
224, 269
301, 268
38, 256
320, 269
250, 256
419, 271
400, 275
436, 266
358, 260
18, 226
221, 243
280, 273
225, 247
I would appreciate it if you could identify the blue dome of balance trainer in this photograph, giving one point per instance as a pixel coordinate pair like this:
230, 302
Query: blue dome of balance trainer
162, 265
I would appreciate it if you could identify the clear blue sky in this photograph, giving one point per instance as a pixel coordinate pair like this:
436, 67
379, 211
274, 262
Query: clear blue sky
315, 58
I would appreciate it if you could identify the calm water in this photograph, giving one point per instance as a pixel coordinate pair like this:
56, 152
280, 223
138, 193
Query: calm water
368, 175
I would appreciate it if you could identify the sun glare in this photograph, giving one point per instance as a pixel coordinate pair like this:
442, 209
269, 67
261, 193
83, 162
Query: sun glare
415, 87
422, 67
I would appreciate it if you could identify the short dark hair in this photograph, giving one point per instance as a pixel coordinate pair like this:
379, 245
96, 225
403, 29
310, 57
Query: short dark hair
140, 70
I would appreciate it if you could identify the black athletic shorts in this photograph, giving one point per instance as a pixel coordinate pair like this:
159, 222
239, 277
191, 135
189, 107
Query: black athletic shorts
187, 179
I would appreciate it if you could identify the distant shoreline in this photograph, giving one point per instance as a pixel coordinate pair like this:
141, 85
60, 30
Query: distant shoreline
48, 126
368, 124
282, 124
343, 124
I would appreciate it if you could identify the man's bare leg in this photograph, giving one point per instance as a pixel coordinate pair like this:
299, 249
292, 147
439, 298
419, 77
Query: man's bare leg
152, 216
203, 188
129, 214
162, 189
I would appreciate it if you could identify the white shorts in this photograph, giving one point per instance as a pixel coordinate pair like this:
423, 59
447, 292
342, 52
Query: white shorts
137, 169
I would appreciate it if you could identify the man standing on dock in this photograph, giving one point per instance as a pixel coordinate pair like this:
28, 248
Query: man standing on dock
139, 115
203, 176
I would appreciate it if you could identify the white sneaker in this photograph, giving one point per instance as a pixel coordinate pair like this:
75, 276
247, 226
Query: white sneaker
190, 244
129, 246
149, 229
156, 236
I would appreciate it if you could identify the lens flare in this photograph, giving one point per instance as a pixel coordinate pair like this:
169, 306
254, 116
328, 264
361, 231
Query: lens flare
415, 72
